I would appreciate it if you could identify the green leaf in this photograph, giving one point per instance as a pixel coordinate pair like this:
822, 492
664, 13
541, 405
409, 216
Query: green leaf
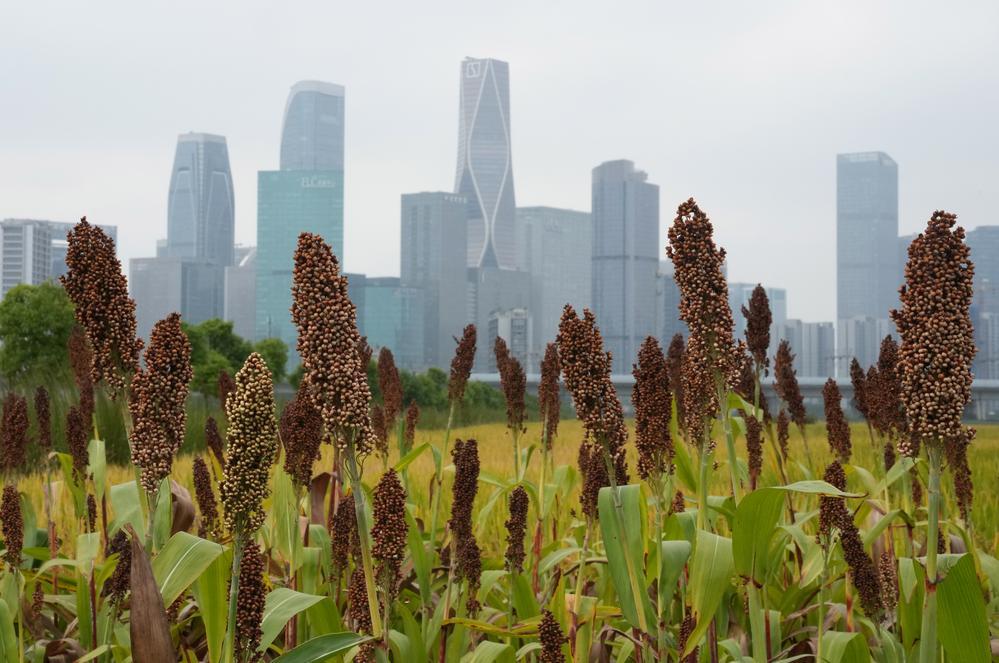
212, 593
883, 523
417, 650
322, 648
961, 620
524, 601
8, 641
840, 647
280, 606
487, 652
710, 575
816, 487
413, 454
323, 617
180, 562
284, 506
897, 471
684, 467
418, 554
87, 547
755, 525
675, 556
97, 466
127, 507
75, 485
625, 558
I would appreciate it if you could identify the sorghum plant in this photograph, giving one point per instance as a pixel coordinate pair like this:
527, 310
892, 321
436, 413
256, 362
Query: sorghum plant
786, 386
513, 383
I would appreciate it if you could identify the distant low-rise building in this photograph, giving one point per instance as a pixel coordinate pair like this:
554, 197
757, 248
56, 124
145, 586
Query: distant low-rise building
814, 346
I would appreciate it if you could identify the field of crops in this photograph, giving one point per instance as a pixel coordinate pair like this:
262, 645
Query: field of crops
710, 526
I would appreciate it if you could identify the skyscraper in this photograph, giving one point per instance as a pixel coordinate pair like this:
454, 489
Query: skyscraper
305, 195
867, 245
25, 253
434, 240
240, 304
668, 322
984, 244
625, 258
813, 344
485, 167
555, 247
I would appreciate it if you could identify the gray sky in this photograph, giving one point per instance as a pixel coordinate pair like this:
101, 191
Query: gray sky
741, 105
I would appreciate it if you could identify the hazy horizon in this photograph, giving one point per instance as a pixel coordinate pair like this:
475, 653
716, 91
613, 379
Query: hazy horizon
742, 107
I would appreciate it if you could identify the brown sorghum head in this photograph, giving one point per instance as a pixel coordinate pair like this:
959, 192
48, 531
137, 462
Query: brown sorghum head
364, 350
754, 448
302, 434
698, 270
466, 556
837, 428
586, 369
81, 360
700, 398
251, 445
551, 637
390, 386
343, 531
205, 497
117, 585
786, 384
357, 602
379, 430
213, 440
76, 441
652, 404
225, 386
884, 392
674, 369
409, 430
957, 456
513, 383
43, 414
859, 381
389, 532
250, 602
14, 432
335, 375
783, 432
548, 397
99, 291
888, 575
863, 571
758, 321
677, 505
594, 472
828, 513
516, 527
12, 524
461, 365
158, 401
91, 513
746, 386
938, 341
687, 627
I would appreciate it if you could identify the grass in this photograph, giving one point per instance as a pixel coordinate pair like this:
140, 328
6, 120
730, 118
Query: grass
495, 456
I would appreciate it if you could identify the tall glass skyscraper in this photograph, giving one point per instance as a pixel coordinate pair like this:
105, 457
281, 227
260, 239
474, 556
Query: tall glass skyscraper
305, 195
625, 258
485, 165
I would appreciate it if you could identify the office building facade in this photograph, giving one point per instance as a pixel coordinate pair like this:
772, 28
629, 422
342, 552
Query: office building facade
240, 303
625, 258
984, 244
25, 253
813, 344
668, 322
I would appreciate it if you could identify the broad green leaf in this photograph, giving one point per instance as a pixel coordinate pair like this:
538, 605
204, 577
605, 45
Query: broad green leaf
418, 555
625, 558
74, 483
322, 648
674, 555
488, 652
97, 466
755, 525
486, 511
413, 454
883, 523
127, 505
284, 506
524, 601
94, 655
8, 640
840, 647
492, 629
417, 650
87, 547
898, 470
323, 617
400, 646
280, 606
684, 466
961, 620
710, 575
180, 562
816, 487
212, 593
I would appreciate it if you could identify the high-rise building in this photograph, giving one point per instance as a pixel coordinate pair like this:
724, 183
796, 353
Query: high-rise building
861, 337
240, 292
739, 295
312, 134
555, 247
434, 231
25, 253
867, 243
813, 344
492, 290
306, 195
161, 286
485, 167
516, 327
668, 322
390, 315
625, 258
984, 244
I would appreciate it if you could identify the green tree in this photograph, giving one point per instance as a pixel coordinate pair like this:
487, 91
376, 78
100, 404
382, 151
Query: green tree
222, 339
275, 354
35, 323
206, 373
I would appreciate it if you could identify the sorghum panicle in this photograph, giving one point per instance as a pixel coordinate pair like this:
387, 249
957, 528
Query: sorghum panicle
786, 384
754, 448
938, 340
549, 401
957, 457
758, 321
99, 291
828, 513
888, 573
461, 365
884, 392
391, 387
81, 360
225, 387
250, 603
379, 430
158, 401
466, 556
389, 532
412, 419
335, 375
513, 384
652, 403
674, 369
14, 432
551, 637
837, 428
859, 381
12, 525
343, 534
357, 602
302, 434
516, 527
43, 414
205, 497
783, 432
118, 584
213, 440
251, 445
76, 440
677, 505
91, 513
746, 386
687, 627
364, 351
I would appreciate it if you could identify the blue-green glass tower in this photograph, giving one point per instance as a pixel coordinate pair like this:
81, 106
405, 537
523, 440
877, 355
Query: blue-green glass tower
305, 195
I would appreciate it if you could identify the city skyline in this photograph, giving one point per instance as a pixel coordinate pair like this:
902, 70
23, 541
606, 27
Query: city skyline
755, 147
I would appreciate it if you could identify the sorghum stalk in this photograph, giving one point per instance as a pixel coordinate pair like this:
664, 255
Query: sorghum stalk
928, 627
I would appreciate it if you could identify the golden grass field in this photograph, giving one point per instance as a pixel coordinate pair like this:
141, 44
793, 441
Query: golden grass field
495, 452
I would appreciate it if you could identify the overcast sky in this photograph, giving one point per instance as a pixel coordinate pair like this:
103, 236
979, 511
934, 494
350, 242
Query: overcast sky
741, 105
